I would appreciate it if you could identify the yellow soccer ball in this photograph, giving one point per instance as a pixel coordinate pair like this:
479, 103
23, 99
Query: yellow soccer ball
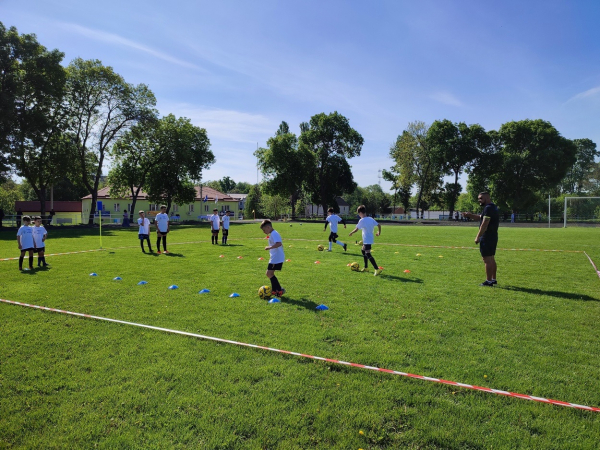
320, 248
354, 266
264, 292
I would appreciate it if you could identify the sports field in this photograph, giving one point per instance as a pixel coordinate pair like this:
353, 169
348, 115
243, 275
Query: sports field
69, 382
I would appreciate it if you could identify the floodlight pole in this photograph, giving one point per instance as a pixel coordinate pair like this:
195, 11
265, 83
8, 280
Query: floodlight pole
548, 210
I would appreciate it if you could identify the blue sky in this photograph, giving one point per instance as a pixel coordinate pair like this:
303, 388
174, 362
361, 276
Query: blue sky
238, 68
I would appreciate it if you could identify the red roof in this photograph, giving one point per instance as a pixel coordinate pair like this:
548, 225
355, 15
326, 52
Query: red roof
104, 194
58, 206
399, 210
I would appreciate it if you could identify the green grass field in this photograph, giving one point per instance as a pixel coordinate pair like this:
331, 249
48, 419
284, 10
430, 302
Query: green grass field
68, 382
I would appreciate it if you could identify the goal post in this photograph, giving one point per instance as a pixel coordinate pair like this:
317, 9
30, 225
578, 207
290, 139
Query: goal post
592, 215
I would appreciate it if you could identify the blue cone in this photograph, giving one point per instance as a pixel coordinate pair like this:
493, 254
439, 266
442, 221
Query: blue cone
117, 279
142, 282
235, 294
173, 286
321, 308
204, 291
274, 300
93, 274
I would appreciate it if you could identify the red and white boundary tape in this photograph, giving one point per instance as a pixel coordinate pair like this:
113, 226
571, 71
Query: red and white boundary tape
318, 358
593, 265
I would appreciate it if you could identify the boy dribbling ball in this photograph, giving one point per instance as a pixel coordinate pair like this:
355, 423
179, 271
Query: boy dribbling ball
162, 228
215, 223
25, 242
333, 220
367, 225
39, 238
277, 258
144, 231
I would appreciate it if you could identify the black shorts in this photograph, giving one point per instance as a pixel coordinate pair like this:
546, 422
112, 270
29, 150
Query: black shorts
39, 249
333, 236
143, 236
163, 232
487, 245
225, 232
367, 248
27, 249
275, 266
215, 232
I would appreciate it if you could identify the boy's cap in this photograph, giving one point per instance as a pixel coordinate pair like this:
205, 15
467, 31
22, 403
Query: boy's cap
163, 206
141, 212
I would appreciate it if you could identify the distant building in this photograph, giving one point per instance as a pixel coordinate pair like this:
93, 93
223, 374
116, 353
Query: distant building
241, 198
64, 212
206, 200
317, 210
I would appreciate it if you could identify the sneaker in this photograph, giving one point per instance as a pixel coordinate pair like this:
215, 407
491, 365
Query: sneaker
278, 293
345, 247
494, 282
327, 250
377, 272
46, 265
166, 252
364, 269
487, 283
159, 252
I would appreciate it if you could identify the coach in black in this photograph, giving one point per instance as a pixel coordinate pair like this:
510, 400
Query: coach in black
487, 237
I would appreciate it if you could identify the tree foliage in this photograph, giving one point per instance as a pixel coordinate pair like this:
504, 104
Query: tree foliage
332, 141
253, 203
185, 154
581, 171
103, 107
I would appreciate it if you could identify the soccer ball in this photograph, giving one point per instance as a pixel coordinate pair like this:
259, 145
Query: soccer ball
264, 292
354, 266
320, 248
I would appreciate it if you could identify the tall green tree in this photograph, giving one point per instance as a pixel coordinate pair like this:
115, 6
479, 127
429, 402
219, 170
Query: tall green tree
102, 107
523, 159
417, 162
577, 175
186, 154
285, 166
332, 141
456, 146
253, 203
33, 120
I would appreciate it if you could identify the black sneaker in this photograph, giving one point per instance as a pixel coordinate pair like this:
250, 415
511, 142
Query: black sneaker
345, 247
487, 283
494, 282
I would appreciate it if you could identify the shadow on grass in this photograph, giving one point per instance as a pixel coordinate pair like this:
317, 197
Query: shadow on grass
177, 255
308, 304
402, 279
557, 294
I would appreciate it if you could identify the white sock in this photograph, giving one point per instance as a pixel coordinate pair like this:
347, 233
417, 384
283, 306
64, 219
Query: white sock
329, 246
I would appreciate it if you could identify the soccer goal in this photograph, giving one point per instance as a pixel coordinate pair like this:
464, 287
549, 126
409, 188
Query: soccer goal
581, 211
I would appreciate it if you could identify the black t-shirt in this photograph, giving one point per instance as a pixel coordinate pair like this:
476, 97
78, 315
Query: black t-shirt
491, 211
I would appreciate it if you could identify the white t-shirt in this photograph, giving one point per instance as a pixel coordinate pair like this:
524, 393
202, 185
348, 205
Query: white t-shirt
333, 220
144, 226
225, 221
367, 225
38, 236
26, 233
215, 221
162, 222
277, 255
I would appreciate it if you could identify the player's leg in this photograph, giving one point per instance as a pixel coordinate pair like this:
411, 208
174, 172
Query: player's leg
21, 258
43, 257
164, 241
331, 241
31, 259
365, 258
149, 245
370, 256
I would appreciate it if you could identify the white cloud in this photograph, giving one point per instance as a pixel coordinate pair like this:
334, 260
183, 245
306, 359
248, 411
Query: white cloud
226, 125
586, 94
115, 39
446, 98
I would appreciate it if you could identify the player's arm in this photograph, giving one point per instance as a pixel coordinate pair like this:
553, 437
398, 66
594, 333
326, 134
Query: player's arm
470, 215
343, 222
326, 223
379, 232
19, 242
353, 231
482, 228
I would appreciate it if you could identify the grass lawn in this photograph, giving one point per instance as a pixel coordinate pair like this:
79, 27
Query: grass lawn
68, 382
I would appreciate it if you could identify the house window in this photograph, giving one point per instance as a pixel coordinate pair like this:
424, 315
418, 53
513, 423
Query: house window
153, 207
205, 208
129, 207
117, 207
191, 207
175, 208
241, 205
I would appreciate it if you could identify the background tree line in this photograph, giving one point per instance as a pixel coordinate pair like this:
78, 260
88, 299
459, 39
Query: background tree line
58, 126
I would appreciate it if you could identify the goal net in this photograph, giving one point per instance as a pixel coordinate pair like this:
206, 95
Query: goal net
581, 211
